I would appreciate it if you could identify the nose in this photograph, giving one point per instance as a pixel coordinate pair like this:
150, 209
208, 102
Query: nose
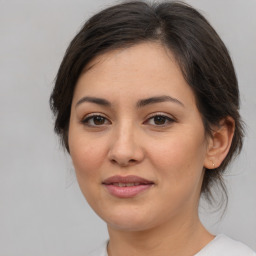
125, 149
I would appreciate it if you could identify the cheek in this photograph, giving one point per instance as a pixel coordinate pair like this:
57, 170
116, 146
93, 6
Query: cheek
180, 158
87, 156
180, 167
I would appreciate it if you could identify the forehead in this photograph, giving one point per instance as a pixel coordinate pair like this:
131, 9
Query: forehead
154, 53
142, 70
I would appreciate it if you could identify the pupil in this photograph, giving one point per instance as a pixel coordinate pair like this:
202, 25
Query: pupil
98, 120
159, 120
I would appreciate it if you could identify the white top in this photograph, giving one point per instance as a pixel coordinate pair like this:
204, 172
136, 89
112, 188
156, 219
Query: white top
221, 245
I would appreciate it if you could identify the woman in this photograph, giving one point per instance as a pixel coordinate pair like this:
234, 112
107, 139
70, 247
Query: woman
146, 103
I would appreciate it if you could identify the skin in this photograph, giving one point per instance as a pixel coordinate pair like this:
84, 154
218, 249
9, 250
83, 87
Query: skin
128, 140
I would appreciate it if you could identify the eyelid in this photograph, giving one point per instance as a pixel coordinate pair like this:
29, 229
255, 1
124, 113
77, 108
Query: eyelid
169, 118
88, 117
161, 114
94, 114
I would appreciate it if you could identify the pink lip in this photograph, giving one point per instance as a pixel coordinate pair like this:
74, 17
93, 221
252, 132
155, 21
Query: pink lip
112, 185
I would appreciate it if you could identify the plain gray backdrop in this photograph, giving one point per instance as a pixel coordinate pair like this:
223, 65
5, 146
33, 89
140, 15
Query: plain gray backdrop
42, 211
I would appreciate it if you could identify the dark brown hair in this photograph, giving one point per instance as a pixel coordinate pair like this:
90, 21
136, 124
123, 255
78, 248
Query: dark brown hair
199, 51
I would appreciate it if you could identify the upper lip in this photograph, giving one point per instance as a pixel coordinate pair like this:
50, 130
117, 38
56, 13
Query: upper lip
126, 179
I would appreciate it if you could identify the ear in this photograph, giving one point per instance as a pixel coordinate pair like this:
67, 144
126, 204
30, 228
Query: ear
219, 143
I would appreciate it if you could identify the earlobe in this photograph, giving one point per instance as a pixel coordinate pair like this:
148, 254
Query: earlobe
219, 143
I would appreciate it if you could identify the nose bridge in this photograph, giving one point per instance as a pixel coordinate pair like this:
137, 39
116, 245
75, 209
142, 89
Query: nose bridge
124, 137
125, 148
126, 130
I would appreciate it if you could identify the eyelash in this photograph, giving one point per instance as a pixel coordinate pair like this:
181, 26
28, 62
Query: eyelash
92, 117
167, 120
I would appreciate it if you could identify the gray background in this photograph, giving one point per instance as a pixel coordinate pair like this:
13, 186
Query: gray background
42, 211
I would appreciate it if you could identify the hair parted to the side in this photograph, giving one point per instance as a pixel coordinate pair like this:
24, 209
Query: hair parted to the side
200, 53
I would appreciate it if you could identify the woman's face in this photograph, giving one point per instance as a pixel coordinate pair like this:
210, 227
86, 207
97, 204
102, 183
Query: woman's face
136, 138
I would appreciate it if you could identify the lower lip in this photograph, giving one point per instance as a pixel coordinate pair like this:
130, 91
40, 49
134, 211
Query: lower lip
127, 192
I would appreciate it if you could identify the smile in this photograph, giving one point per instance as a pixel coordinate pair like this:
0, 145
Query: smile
126, 184
126, 187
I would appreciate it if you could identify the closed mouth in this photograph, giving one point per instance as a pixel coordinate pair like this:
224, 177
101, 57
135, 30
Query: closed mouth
126, 187
126, 181
125, 184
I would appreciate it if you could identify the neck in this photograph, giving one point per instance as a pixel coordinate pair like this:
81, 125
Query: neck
178, 237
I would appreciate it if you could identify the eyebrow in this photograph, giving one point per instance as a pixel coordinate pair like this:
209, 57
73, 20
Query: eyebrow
95, 100
140, 103
158, 99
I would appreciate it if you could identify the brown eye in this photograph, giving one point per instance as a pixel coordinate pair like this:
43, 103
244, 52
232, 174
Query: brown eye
160, 120
95, 120
98, 120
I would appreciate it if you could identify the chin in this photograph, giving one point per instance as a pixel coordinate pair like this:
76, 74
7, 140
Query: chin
128, 226
128, 222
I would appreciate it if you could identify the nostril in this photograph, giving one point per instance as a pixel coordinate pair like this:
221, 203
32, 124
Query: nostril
123, 163
113, 161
